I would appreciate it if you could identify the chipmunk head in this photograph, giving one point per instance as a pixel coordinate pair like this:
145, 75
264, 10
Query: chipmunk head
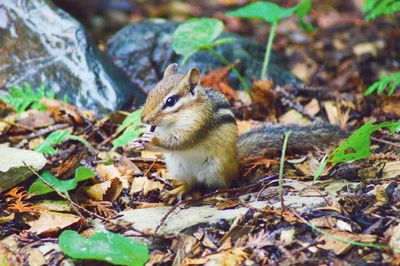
171, 96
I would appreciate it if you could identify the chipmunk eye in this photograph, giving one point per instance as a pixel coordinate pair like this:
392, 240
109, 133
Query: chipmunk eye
170, 101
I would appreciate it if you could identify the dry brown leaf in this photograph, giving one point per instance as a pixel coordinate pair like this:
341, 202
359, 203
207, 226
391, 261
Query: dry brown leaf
103, 208
64, 112
380, 194
8, 257
144, 184
217, 79
339, 247
108, 190
183, 246
312, 108
332, 112
393, 235
126, 167
50, 223
263, 94
8, 121
244, 125
305, 70
293, 117
229, 257
390, 104
110, 172
36, 119
324, 221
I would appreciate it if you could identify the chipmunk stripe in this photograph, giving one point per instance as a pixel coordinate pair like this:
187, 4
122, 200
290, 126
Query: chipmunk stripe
225, 119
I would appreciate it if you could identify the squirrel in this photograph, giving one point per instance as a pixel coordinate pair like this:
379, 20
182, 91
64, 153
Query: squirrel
196, 130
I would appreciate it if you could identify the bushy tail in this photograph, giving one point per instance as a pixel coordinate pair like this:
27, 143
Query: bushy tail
268, 140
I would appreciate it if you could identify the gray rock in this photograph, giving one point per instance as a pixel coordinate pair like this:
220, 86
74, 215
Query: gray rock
144, 49
41, 44
12, 167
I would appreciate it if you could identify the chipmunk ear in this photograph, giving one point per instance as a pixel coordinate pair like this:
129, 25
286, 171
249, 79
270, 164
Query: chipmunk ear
171, 69
193, 78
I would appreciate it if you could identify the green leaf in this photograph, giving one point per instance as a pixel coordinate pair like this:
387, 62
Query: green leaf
375, 8
391, 81
267, 11
83, 173
321, 168
129, 134
107, 246
132, 119
55, 137
21, 98
303, 8
40, 188
198, 34
357, 146
132, 127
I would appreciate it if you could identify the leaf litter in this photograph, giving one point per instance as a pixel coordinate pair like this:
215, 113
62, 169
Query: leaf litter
340, 211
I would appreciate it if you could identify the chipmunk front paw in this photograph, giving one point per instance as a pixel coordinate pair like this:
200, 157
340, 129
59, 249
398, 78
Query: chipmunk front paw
145, 142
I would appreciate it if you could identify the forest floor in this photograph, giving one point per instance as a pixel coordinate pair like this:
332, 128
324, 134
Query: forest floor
348, 215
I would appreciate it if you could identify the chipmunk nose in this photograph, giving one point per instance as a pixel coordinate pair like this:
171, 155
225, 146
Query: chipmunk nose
146, 119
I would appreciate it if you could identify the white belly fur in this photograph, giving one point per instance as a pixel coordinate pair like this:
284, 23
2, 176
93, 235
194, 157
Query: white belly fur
194, 166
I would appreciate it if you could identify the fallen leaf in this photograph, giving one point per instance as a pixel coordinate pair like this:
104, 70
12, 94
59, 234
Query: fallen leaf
339, 247
144, 184
50, 223
217, 79
365, 48
36, 119
332, 112
293, 117
312, 108
108, 190
64, 112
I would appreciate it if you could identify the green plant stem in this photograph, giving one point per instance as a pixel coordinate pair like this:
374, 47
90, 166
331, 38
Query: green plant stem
281, 165
268, 51
226, 62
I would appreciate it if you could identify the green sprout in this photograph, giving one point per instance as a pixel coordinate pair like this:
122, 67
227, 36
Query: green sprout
273, 14
201, 34
23, 98
391, 81
375, 8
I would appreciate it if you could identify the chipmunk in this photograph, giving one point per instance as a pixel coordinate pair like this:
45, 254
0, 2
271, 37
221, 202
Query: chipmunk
196, 130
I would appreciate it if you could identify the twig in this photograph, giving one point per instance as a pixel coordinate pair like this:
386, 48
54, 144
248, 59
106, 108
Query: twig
62, 195
216, 192
145, 160
106, 220
42, 132
385, 142
164, 218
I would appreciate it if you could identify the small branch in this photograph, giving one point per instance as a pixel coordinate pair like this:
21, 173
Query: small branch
106, 220
42, 132
386, 142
